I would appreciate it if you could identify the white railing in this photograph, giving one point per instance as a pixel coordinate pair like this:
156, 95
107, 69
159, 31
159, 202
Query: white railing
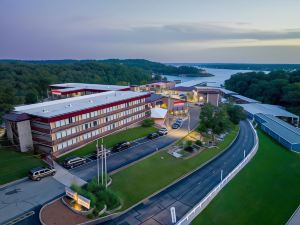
188, 218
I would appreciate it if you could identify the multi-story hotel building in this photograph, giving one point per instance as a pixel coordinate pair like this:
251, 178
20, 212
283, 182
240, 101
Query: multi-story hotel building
60, 126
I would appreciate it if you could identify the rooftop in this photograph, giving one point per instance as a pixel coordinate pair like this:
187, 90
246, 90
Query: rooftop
154, 97
16, 117
79, 86
190, 83
68, 105
275, 110
281, 128
227, 92
249, 100
183, 88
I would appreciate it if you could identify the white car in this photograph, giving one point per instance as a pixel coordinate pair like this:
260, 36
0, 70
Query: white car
163, 131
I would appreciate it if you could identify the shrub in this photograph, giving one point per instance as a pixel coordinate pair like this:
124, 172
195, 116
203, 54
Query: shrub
91, 197
148, 123
90, 216
188, 146
94, 187
110, 198
199, 143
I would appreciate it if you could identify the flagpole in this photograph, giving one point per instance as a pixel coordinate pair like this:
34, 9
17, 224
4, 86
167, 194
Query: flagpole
102, 169
98, 175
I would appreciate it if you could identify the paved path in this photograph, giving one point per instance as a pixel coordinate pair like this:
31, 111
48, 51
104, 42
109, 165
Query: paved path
17, 199
64, 177
188, 192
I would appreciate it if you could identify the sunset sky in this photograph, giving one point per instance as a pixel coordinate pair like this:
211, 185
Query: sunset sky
257, 31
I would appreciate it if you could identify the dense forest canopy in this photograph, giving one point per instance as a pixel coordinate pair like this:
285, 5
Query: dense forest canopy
154, 67
277, 87
25, 82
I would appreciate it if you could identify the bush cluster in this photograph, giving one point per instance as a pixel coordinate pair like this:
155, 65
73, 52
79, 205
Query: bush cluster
99, 196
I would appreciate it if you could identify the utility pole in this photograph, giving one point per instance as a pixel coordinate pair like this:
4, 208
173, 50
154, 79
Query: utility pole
98, 173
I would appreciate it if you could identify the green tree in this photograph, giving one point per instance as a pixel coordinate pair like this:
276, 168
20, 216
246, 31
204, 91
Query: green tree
236, 113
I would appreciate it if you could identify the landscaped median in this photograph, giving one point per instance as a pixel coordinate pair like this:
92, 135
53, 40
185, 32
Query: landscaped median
150, 175
113, 139
266, 191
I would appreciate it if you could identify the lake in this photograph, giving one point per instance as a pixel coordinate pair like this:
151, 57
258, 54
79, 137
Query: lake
220, 75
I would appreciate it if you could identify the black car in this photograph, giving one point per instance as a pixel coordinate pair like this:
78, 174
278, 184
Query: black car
175, 126
71, 162
153, 136
121, 146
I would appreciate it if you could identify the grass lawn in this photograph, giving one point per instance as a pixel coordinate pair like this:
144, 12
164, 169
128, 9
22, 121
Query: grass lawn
266, 191
144, 178
111, 140
15, 165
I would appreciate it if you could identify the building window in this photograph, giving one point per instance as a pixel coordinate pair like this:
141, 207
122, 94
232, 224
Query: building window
95, 123
58, 135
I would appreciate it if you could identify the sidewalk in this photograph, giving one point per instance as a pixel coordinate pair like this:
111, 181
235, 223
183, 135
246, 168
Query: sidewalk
65, 177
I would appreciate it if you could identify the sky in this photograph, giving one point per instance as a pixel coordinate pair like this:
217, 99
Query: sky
232, 31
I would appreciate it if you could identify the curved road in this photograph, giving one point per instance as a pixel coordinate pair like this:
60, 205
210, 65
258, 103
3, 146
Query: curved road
185, 194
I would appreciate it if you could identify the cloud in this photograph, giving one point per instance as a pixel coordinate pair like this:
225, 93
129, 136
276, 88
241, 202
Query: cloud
189, 32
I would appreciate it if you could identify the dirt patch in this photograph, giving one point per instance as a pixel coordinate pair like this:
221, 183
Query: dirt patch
58, 214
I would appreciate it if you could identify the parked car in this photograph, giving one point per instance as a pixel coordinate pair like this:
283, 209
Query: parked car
163, 131
121, 146
153, 136
40, 172
179, 121
71, 162
175, 126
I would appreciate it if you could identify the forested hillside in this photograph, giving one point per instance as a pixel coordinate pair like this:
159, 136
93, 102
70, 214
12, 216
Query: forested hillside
160, 68
277, 87
23, 83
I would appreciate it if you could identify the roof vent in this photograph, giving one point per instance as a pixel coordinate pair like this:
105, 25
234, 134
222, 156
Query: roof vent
91, 101
45, 110
69, 105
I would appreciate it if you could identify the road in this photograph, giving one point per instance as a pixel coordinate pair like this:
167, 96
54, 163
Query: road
185, 194
24, 196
